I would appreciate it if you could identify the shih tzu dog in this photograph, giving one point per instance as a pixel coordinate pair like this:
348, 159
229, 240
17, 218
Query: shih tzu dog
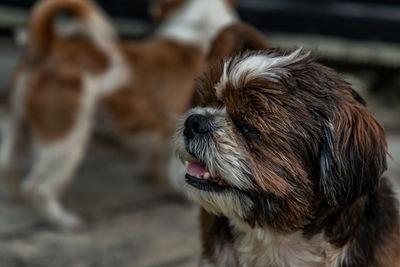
286, 161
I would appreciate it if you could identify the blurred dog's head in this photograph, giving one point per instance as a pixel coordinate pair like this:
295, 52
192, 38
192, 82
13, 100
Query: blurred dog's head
278, 139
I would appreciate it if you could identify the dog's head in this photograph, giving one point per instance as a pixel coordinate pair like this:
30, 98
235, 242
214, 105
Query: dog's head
276, 137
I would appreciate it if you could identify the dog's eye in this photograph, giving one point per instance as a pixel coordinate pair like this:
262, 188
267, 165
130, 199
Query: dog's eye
248, 131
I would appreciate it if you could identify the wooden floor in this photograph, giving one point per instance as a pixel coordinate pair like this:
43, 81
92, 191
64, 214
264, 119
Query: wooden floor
130, 221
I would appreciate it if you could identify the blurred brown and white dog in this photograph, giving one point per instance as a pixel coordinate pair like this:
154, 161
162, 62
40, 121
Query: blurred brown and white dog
287, 162
68, 74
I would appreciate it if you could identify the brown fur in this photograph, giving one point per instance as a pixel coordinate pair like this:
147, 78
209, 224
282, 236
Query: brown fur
316, 155
234, 39
42, 20
54, 91
163, 72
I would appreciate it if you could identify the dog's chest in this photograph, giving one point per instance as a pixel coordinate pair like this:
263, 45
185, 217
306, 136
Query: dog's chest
265, 248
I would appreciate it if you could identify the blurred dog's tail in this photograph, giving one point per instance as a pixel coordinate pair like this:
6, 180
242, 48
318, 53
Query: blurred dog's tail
91, 20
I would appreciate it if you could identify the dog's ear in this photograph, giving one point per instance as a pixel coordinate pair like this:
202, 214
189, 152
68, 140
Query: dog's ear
234, 39
160, 9
352, 154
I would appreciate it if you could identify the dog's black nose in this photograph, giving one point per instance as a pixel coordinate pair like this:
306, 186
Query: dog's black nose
196, 125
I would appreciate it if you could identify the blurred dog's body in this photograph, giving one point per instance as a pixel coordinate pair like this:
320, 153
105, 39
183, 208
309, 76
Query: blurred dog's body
137, 88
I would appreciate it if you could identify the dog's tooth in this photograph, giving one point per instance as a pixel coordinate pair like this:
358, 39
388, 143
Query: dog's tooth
186, 163
206, 176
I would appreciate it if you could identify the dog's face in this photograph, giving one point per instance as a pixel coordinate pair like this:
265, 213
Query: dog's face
278, 140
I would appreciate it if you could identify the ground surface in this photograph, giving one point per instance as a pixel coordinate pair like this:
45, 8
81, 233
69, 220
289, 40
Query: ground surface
129, 221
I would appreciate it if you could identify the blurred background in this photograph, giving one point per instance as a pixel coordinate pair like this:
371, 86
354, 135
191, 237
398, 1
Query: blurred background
132, 223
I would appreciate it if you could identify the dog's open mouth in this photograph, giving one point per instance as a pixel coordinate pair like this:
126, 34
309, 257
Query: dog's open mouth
200, 177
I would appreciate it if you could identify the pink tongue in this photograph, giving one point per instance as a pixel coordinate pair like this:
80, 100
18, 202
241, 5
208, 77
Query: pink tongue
196, 169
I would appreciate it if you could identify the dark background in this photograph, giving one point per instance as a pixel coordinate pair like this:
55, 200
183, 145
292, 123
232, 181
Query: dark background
361, 20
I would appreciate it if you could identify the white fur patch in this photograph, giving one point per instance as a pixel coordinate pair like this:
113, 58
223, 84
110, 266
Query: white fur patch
258, 65
104, 37
101, 31
224, 203
176, 172
116, 77
336, 256
264, 247
197, 22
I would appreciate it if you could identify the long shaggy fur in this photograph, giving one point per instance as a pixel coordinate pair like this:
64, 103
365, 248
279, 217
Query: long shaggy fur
305, 160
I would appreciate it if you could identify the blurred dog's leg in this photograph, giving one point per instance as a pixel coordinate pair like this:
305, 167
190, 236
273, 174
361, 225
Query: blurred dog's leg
10, 140
11, 134
54, 167
56, 162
